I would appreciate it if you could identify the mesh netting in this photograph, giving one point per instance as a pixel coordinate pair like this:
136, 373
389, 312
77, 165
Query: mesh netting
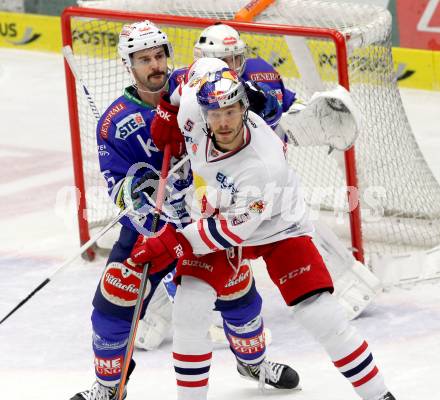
400, 198
12, 5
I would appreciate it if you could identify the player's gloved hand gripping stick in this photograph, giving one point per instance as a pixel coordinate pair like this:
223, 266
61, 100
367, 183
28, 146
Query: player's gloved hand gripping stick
87, 245
143, 285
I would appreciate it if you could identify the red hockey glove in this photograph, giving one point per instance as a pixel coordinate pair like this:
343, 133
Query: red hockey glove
164, 128
161, 250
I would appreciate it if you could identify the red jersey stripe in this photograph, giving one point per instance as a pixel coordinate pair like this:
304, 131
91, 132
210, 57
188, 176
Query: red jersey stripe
224, 226
205, 237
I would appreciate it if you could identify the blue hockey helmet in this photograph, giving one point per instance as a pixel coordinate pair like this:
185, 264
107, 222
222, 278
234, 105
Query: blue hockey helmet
221, 89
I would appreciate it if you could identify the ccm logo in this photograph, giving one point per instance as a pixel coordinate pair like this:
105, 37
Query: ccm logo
293, 274
163, 114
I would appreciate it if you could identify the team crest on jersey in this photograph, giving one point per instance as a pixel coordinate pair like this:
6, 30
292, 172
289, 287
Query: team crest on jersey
128, 125
257, 206
120, 284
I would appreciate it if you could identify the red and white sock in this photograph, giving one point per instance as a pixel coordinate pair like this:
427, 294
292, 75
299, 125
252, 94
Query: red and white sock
358, 366
192, 347
326, 320
192, 375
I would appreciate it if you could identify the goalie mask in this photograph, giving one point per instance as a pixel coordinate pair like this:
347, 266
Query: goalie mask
141, 36
222, 41
217, 92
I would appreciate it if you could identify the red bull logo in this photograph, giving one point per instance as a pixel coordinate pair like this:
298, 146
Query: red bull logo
216, 95
230, 74
257, 206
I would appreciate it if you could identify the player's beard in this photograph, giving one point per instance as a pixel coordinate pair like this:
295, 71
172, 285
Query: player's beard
153, 82
220, 141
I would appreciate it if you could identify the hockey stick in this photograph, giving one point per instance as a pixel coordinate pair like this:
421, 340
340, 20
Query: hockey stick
85, 247
68, 55
81, 250
143, 285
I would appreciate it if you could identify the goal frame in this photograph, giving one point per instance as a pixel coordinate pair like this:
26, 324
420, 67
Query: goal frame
335, 36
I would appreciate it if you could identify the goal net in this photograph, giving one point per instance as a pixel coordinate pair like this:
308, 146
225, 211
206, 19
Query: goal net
398, 195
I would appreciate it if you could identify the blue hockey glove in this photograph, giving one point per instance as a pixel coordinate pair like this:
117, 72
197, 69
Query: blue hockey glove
263, 102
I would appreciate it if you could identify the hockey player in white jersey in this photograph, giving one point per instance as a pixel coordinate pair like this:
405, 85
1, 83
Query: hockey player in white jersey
147, 54
238, 302
330, 118
251, 206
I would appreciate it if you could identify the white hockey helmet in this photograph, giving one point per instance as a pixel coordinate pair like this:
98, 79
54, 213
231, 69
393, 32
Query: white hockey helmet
221, 41
139, 36
202, 66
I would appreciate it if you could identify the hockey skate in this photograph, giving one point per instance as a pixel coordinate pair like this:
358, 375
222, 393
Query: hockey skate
388, 396
280, 376
99, 392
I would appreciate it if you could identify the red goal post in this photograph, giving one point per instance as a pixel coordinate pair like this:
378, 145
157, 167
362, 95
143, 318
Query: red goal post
72, 17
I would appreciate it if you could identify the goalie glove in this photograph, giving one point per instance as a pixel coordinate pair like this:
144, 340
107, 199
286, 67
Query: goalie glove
330, 118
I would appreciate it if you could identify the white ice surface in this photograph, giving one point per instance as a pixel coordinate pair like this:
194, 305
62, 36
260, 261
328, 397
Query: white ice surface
45, 348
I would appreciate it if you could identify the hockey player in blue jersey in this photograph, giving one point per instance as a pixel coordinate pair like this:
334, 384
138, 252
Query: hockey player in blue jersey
130, 164
129, 160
